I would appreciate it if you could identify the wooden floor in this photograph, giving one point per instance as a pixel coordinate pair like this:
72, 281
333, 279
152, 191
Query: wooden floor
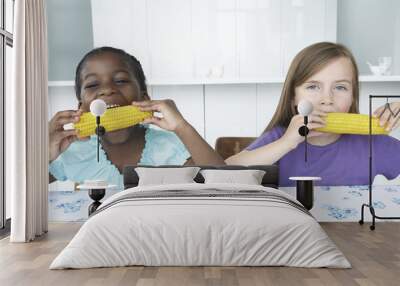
374, 255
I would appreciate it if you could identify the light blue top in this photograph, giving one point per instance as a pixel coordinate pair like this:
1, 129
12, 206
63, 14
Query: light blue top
79, 161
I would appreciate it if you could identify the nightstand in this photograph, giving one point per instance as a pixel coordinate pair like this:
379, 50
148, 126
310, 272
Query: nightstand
96, 193
305, 190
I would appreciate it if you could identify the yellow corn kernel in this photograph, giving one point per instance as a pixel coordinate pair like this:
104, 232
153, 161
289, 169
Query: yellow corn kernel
351, 123
113, 119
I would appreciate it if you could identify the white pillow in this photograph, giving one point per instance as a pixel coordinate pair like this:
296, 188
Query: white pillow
162, 176
248, 177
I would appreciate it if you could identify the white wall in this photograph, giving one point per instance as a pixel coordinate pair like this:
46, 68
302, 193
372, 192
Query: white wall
70, 34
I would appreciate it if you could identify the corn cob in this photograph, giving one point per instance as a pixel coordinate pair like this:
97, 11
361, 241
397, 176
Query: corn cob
351, 123
113, 119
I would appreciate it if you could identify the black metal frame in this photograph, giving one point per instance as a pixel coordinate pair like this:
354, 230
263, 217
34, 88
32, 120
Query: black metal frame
370, 203
6, 39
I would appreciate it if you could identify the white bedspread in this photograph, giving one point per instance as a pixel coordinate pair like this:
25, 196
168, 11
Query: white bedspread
182, 231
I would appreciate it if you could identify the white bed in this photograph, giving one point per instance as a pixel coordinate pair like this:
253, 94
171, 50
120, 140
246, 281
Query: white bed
223, 224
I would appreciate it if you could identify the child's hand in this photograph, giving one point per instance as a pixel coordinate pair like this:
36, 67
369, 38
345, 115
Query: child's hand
315, 120
386, 117
60, 139
171, 119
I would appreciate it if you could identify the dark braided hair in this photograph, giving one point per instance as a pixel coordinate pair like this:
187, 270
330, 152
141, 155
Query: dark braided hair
133, 64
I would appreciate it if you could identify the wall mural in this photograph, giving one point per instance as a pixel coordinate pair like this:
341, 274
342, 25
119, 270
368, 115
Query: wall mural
116, 123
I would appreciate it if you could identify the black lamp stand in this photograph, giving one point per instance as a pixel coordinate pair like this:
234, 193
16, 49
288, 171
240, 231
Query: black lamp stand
96, 195
370, 203
100, 131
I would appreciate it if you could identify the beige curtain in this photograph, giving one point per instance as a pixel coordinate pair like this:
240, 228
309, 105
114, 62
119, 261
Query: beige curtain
27, 123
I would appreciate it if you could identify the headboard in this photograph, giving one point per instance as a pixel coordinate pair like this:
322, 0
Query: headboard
270, 179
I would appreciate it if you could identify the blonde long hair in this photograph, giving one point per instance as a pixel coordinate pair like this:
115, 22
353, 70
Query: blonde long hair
308, 62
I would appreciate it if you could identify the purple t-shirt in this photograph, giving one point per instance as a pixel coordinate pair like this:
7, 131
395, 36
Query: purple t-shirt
344, 162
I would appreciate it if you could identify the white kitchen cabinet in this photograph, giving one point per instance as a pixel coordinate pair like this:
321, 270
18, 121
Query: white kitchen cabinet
122, 24
230, 111
169, 38
259, 38
268, 96
214, 39
61, 98
199, 41
189, 99
305, 22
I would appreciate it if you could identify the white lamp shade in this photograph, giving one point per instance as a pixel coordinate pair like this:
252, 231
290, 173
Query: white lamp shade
304, 107
98, 107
